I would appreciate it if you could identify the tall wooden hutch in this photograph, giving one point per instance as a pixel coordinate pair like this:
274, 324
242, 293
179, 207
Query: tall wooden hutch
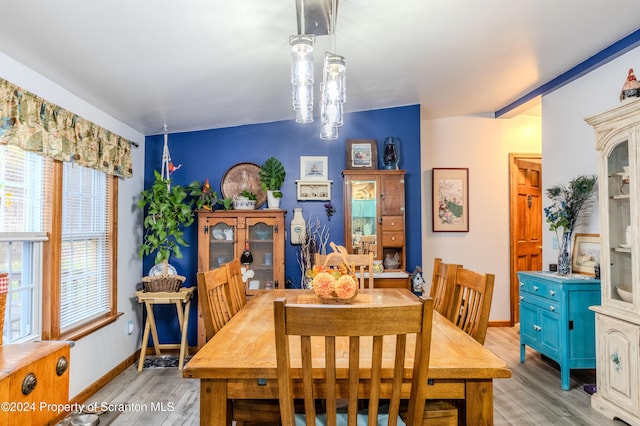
618, 320
374, 220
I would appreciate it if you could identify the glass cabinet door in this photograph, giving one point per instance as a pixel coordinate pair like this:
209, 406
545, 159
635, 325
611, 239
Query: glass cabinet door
260, 238
364, 216
222, 243
620, 193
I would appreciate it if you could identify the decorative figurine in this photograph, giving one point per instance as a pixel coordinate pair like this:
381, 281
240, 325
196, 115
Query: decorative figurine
631, 87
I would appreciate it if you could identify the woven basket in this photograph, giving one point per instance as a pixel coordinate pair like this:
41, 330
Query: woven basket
345, 270
168, 283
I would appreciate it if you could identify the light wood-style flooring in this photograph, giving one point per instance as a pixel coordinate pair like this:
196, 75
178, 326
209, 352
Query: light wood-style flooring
532, 396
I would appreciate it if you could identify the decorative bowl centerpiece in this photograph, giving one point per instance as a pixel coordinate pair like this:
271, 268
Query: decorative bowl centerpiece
624, 293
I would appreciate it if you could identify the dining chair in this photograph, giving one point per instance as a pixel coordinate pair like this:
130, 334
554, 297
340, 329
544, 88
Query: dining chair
215, 297
471, 303
442, 283
339, 329
236, 285
363, 264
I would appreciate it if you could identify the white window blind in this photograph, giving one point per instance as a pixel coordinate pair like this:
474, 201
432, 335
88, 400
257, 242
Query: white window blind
22, 214
86, 247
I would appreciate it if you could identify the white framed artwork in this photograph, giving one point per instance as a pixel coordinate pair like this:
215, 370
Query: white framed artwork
314, 168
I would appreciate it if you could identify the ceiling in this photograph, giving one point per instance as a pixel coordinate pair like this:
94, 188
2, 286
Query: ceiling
202, 64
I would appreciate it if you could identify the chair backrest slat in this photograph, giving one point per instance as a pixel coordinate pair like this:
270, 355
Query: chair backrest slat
236, 285
471, 302
214, 298
442, 285
340, 329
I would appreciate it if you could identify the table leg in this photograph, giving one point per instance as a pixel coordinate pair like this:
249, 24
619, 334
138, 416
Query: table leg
214, 406
479, 402
154, 332
145, 342
184, 323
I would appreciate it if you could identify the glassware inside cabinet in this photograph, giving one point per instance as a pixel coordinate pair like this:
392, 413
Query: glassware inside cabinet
261, 241
222, 240
363, 215
619, 234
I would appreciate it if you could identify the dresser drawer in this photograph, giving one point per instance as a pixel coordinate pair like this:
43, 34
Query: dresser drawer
540, 302
392, 223
540, 288
393, 239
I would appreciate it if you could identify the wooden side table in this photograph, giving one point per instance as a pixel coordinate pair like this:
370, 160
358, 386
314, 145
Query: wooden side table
182, 300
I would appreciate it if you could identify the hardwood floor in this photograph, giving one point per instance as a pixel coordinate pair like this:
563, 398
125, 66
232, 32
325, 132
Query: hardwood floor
532, 396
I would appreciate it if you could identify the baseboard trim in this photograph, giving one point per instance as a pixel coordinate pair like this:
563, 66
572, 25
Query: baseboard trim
499, 324
104, 380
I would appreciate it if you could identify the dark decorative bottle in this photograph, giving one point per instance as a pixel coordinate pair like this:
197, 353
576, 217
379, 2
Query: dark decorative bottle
390, 156
246, 257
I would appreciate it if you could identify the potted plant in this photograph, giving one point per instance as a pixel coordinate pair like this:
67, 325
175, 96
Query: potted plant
205, 197
168, 211
245, 201
272, 176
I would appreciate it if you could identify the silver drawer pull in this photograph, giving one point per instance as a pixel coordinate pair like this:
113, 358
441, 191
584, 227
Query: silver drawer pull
521, 297
552, 293
552, 308
535, 288
537, 327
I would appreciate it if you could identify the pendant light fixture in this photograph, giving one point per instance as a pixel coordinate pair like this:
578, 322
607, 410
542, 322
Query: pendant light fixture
322, 14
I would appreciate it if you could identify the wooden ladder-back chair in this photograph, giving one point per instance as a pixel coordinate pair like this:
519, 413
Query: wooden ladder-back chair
236, 285
339, 329
442, 283
471, 302
215, 296
363, 263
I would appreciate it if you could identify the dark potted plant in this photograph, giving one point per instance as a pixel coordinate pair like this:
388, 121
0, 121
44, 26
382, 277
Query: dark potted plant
169, 209
272, 176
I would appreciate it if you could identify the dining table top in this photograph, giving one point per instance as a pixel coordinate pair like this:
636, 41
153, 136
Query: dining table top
245, 347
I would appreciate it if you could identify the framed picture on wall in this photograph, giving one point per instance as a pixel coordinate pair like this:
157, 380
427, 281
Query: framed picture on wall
586, 254
314, 168
362, 154
450, 193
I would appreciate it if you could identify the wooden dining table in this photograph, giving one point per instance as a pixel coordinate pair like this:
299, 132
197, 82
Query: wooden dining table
239, 362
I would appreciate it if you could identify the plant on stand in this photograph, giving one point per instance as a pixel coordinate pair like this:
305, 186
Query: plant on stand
168, 211
272, 176
564, 214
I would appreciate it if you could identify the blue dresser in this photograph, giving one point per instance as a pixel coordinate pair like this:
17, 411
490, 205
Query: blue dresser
555, 319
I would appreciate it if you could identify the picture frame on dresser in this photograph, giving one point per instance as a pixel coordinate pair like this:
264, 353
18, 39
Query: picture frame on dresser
586, 254
362, 154
450, 199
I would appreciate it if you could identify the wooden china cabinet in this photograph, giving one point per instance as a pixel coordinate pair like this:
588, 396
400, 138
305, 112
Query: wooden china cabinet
618, 316
374, 221
222, 236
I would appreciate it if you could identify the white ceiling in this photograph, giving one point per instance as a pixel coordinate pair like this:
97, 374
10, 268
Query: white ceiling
201, 64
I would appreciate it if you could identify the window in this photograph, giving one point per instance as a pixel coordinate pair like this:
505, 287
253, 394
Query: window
75, 206
22, 213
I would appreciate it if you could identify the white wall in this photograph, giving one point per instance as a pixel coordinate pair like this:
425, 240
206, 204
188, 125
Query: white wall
95, 355
482, 145
568, 146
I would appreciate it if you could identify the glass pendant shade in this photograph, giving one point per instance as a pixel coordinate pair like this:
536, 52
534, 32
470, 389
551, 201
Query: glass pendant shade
391, 153
334, 77
302, 97
301, 59
328, 132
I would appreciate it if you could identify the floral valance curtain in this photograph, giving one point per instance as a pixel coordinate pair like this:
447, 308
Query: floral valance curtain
36, 125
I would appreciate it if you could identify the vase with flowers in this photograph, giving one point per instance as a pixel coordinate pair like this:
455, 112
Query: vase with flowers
564, 214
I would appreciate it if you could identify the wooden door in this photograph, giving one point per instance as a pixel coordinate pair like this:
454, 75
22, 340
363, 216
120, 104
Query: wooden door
525, 221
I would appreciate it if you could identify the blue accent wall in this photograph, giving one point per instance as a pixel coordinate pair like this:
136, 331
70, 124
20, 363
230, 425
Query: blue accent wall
208, 154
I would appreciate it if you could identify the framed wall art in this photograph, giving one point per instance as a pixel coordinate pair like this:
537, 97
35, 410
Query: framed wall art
362, 154
586, 254
314, 168
450, 191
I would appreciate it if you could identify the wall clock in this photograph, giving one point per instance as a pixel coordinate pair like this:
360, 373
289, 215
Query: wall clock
243, 176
